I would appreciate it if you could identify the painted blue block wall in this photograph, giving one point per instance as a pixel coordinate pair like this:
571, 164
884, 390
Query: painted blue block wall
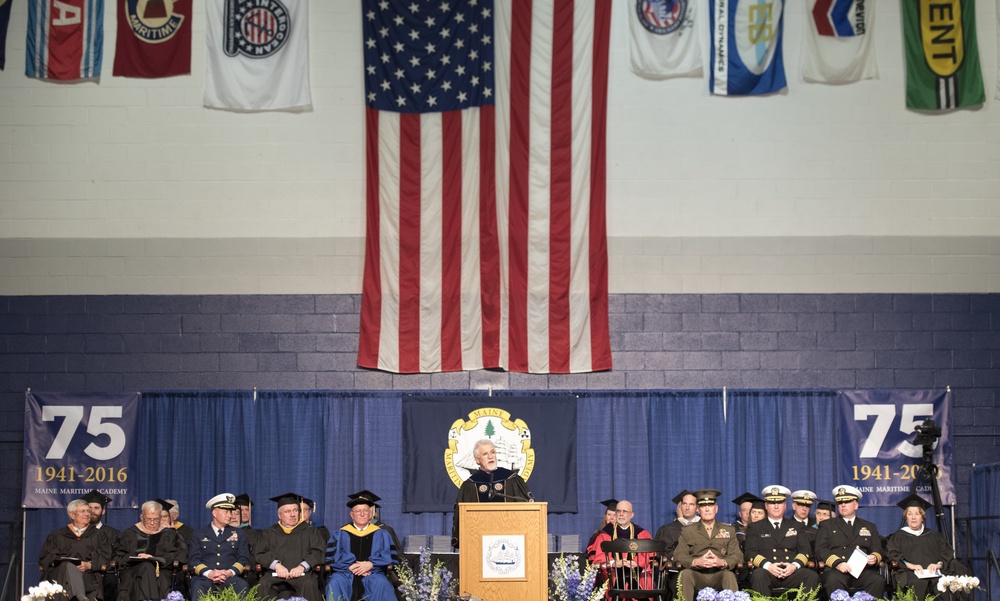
112, 343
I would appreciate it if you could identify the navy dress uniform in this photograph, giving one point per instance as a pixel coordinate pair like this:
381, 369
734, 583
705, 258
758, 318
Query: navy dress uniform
218, 546
836, 540
780, 542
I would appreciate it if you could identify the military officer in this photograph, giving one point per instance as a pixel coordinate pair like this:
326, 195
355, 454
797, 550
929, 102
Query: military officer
707, 550
839, 537
802, 502
778, 547
218, 553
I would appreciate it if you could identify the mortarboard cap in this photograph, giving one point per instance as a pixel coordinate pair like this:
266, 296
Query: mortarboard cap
610, 504
826, 505
96, 496
757, 503
746, 498
288, 498
680, 496
164, 504
913, 500
363, 497
243, 500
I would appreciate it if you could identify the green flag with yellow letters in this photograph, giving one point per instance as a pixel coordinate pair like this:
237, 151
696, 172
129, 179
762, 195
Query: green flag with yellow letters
942, 55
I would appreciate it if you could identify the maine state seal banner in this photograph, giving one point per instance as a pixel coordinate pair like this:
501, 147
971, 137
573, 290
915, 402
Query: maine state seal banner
154, 38
535, 436
746, 47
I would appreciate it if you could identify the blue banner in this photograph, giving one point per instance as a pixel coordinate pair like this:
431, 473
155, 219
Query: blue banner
877, 432
78, 442
534, 435
746, 47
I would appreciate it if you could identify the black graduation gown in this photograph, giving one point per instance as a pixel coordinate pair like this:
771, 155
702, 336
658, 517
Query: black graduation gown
93, 546
140, 579
927, 548
499, 486
303, 543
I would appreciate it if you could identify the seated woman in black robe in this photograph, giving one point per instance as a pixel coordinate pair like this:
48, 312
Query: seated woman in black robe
147, 552
920, 551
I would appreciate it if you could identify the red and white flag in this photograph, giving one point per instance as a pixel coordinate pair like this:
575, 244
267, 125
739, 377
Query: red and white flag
485, 166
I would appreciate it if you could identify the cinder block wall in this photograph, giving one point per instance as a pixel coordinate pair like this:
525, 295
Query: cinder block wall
110, 343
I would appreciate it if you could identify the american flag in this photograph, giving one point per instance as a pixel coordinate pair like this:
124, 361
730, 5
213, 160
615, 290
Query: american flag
485, 172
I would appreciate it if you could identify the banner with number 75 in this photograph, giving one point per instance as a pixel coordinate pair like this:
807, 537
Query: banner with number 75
78, 442
877, 432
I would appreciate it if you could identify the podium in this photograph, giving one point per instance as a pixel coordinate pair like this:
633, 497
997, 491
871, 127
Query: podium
503, 551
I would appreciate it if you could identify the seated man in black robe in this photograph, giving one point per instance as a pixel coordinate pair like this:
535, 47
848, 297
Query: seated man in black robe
489, 484
75, 555
149, 553
287, 553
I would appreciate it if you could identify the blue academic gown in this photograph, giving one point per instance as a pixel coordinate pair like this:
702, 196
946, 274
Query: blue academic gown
340, 554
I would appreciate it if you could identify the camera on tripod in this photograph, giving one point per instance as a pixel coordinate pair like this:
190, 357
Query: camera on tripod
928, 433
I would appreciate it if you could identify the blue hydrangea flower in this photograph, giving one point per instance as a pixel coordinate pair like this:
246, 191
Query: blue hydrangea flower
707, 594
840, 595
862, 596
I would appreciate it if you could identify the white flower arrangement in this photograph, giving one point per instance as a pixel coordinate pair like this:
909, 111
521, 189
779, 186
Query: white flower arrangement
958, 584
44, 591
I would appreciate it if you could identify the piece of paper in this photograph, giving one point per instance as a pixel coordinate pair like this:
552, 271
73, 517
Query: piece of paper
927, 573
857, 562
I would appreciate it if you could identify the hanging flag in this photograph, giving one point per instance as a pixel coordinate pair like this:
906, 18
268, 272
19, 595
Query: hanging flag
65, 39
257, 55
839, 46
663, 38
485, 166
154, 38
4, 21
942, 55
746, 47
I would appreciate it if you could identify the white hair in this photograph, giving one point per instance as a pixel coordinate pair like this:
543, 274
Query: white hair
74, 506
476, 453
151, 505
176, 509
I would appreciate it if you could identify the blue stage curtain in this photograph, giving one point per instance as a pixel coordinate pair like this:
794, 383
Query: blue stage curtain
985, 490
688, 447
195, 446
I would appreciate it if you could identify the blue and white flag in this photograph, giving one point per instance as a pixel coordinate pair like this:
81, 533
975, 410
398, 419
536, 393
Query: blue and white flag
746, 47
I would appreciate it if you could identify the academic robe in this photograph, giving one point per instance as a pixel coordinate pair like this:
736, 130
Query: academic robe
622, 577
499, 486
670, 533
303, 545
110, 579
350, 545
924, 549
92, 545
149, 578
